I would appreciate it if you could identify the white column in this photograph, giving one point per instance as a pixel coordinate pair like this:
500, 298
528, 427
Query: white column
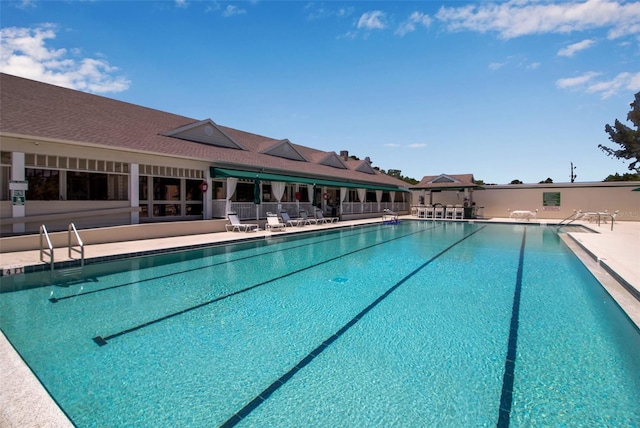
207, 213
134, 195
18, 189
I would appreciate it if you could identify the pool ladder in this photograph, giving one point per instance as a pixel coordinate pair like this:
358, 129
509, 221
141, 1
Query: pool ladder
577, 214
78, 247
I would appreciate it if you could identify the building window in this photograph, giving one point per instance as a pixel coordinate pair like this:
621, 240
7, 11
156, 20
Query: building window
89, 186
44, 184
143, 188
244, 192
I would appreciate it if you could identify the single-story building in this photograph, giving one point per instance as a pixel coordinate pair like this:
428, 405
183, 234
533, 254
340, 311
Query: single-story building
69, 156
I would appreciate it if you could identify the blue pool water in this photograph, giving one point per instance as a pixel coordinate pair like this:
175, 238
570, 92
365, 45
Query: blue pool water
410, 325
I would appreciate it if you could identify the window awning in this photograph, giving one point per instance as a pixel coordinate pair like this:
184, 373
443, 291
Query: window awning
251, 175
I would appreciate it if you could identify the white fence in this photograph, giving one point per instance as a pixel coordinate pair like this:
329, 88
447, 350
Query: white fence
250, 211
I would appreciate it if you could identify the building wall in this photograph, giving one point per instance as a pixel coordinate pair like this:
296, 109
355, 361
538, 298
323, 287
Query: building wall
498, 200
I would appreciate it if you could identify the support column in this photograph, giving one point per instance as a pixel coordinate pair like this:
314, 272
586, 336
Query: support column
18, 187
134, 191
208, 196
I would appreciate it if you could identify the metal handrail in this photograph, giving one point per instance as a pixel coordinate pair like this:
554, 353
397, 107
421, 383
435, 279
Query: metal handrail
72, 227
577, 214
43, 251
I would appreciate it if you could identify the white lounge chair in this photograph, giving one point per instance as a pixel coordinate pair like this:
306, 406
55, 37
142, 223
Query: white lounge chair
322, 219
305, 218
289, 221
273, 223
235, 225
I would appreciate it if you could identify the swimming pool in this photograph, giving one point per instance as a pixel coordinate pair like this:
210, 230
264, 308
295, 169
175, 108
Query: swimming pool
417, 324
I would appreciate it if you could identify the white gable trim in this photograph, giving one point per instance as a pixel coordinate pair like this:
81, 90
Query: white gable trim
284, 149
206, 132
333, 160
365, 166
444, 178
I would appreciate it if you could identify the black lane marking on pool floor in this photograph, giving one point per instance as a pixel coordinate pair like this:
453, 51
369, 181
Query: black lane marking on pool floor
260, 398
103, 340
506, 397
127, 284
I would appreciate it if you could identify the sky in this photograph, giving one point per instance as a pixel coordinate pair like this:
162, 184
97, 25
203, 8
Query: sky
504, 90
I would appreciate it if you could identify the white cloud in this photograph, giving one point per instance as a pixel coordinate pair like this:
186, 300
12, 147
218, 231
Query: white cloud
576, 47
623, 81
181, 3
416, 18
516, 18
373, 20
571, 82
23, 52
232, 10
319, 11
589, 83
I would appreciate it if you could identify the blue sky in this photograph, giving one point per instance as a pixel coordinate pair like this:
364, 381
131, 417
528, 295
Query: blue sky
504, 90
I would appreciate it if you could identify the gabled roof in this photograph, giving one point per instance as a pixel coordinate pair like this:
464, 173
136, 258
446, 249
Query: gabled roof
44, 112
365, 166
285, 149
445, 182
205, 131
333, 160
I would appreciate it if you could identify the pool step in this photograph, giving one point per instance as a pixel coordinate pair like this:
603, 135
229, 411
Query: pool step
68, 274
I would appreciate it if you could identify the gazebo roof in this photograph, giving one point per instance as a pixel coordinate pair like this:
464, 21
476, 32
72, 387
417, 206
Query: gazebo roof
446, 182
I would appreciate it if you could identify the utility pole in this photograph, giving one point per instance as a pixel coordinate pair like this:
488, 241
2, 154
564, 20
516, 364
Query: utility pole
573, 176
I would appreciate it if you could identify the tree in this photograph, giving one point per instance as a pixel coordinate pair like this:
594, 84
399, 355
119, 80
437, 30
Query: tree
627, 176
626, 137
548, 180
516, 181
398, 174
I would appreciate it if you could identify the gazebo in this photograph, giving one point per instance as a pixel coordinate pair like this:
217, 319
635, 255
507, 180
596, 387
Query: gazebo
434, 184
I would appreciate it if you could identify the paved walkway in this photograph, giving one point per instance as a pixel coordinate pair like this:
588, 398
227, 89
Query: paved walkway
23, 401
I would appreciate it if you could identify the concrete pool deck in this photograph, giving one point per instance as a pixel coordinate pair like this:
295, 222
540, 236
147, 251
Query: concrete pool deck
613, 256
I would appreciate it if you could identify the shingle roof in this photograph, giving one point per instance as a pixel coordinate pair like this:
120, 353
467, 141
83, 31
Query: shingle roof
39, 110
445, 181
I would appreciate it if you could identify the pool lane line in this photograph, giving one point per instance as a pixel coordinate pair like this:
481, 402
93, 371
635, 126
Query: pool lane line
266, 393
506, 397
103, 340
127, 284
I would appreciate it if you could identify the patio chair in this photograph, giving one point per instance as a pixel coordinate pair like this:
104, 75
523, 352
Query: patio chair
429, 211
458, 212
449, 212
322, 219
305, 218
289, 221
438, 212
273, 223
235, 225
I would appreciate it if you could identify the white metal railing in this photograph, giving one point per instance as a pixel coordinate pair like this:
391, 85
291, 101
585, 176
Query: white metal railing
250, 211
72, 248
49, 250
